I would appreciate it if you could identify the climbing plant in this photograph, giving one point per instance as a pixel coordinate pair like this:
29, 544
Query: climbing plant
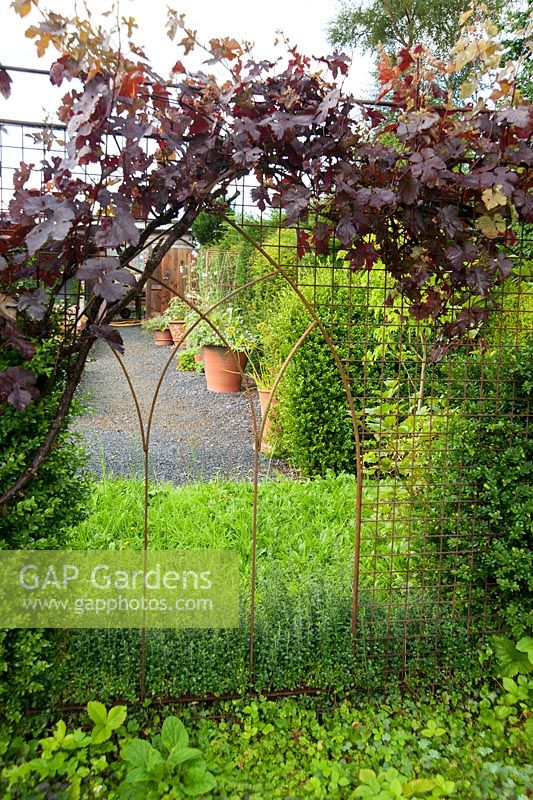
432, 190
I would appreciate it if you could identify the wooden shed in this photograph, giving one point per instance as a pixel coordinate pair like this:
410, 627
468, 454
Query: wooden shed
176, 271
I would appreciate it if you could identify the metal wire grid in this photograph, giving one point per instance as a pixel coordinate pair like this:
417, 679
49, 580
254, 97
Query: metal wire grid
407, 595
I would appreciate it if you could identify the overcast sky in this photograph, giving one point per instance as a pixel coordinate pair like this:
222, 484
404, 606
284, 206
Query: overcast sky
304, 22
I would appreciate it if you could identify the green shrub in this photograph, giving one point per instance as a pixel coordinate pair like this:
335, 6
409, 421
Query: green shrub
485, 501
186, 361
316, 432
207, 229
54, 500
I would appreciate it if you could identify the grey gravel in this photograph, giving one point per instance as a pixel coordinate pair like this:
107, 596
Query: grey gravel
196, 434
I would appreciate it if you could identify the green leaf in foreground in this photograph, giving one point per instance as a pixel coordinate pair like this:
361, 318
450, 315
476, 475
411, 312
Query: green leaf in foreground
513, 661
105, 723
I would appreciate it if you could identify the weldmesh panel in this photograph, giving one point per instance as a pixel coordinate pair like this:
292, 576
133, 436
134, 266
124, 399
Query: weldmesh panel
409, 597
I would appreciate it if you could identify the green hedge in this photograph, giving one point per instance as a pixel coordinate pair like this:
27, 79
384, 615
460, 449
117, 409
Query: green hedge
37, 519
300, 641
486, 499
316, 432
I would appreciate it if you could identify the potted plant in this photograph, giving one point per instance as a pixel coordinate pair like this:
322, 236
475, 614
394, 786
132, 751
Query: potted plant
223, 364
158, 325
175, 315
264, 375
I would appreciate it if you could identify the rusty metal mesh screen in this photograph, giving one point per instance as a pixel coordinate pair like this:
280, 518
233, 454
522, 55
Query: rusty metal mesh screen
409, 604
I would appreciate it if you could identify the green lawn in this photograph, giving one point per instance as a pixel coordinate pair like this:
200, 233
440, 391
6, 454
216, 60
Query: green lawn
302, 627
307, 528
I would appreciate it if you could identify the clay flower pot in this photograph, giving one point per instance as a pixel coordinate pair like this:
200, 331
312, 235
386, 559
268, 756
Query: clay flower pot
177, 329
264, 397
162, 338
222, 368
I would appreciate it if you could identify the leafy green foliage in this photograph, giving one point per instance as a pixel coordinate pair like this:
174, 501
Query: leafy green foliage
157, 323
171, 770
80, 764
397, 25
37, 519
207, 229
229, 322
488, 467
316, 432
471, 744
303, 593
186, 362
105, 722
315, 429
514, 658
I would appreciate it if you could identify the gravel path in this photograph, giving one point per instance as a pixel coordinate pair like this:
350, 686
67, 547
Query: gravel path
196, 434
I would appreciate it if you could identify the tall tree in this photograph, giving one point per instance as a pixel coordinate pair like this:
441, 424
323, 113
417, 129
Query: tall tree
518, 45
398, 24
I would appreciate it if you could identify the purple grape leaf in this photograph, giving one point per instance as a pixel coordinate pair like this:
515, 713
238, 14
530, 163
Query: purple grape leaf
337, 62
34, 303
261, 197
56, 226
416, 122
449, 222
108, 334
346, 230
295, 201
520, 117
118, 229
408, 188
94, 268
502, 264
478, 280
5, 83
330, 102
18, 342
459, 255
17, 387
110, 279
364, 255
247, 157
427, 166
379, 198
519, 154
321, 238
302, 243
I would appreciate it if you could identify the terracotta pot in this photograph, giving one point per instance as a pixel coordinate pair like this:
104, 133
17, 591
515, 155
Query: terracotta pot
264, 397
222, 368
177, 329
162, 338
198, 358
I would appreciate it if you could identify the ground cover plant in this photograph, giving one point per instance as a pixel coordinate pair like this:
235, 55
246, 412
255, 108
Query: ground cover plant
464, 746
